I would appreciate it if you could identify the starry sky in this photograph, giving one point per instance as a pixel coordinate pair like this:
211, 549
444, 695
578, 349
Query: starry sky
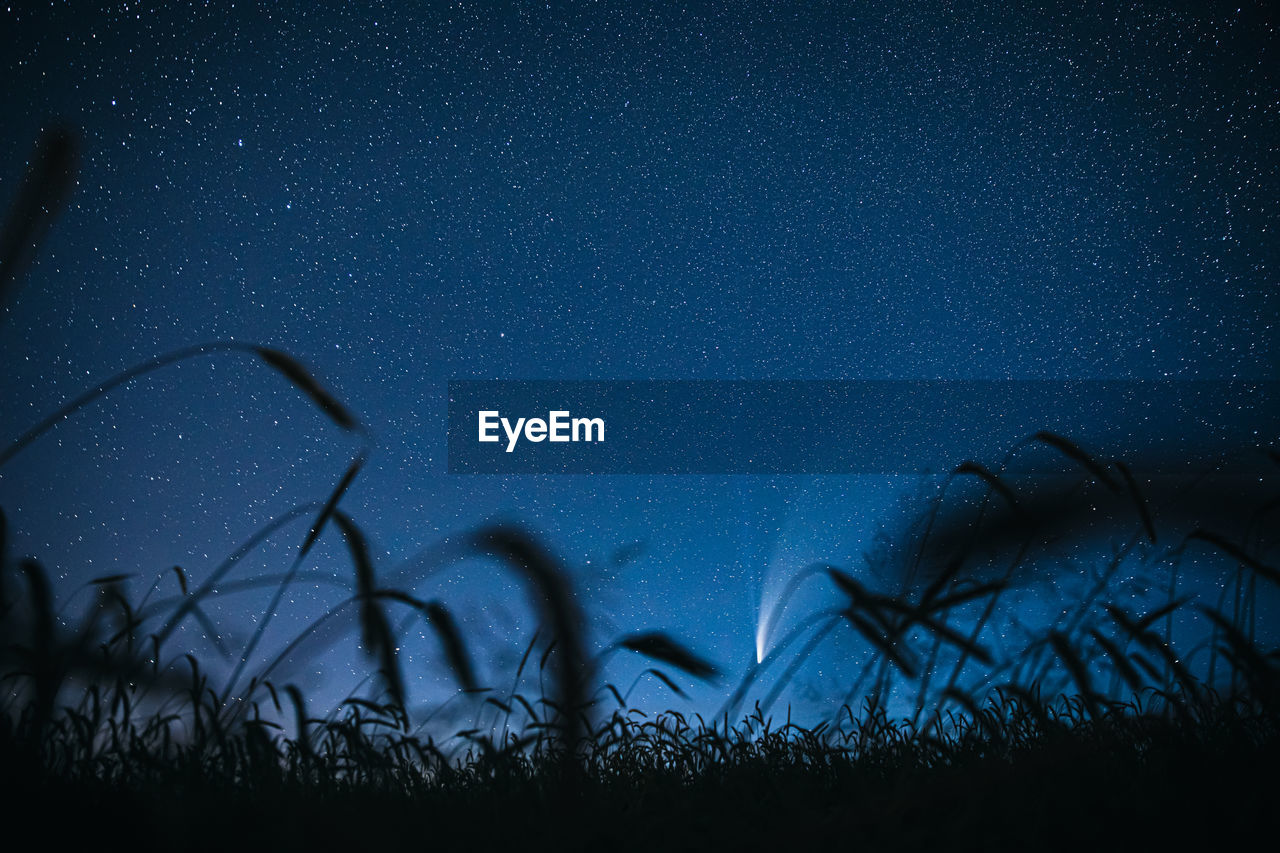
403, 194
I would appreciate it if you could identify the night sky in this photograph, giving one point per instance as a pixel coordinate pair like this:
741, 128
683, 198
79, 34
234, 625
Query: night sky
404, 194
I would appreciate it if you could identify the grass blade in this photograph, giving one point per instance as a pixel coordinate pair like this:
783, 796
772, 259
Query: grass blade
659, 646
293, 370
1071, 450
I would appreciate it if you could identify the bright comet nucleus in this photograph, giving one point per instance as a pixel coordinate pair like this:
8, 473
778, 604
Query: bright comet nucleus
764, 625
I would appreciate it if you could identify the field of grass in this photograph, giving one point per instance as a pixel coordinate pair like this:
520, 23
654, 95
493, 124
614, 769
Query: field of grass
1097, 728
1024, 775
